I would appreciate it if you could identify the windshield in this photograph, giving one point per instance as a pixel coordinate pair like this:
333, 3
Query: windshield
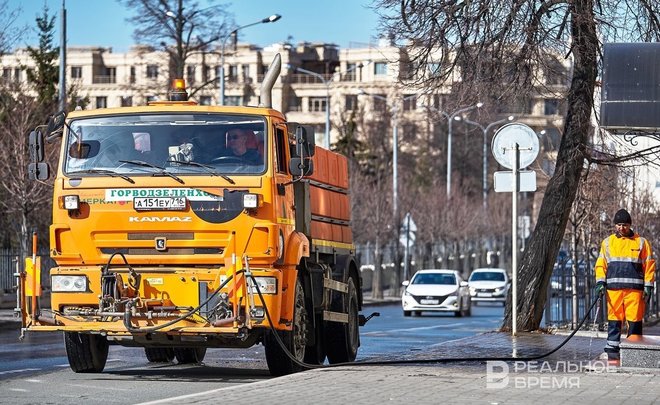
431, 278
487, 276
171, 144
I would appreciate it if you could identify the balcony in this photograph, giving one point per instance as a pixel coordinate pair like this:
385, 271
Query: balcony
104, 79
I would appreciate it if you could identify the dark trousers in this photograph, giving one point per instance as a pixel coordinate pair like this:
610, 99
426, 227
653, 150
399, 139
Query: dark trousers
614, 333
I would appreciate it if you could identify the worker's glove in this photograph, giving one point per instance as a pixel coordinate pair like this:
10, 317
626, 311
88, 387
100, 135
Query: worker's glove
600, 288
648, 291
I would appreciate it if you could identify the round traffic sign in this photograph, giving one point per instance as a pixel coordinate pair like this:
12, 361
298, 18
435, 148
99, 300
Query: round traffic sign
505, 140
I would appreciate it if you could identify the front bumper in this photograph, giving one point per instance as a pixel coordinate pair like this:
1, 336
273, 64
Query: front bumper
157, 311
449, 304
488, 295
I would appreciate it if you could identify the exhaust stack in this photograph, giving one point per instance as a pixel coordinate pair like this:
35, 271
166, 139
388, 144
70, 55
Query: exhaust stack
266, 96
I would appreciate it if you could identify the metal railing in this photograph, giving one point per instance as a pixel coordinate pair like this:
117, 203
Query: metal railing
10, 263
560, 301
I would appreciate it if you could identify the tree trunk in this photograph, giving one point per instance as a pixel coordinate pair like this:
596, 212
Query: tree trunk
376, 280
537, 262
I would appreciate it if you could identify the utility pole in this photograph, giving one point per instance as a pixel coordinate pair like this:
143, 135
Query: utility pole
62, 95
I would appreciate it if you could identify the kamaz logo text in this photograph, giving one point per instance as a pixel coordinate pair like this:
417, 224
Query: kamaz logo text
159, 219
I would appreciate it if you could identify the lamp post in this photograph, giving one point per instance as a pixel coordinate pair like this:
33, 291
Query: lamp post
326, 83
270, 19
485, 150
395, 151
451, 119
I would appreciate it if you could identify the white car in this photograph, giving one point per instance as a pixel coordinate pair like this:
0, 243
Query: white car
436, 290
489, 285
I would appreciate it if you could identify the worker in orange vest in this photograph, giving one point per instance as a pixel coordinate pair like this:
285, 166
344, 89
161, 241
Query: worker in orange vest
625, 268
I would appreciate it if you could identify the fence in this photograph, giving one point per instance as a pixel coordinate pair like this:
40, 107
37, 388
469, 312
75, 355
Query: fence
559, 305
8, 266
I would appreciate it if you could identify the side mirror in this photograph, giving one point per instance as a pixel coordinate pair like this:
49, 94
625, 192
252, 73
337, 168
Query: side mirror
464, 283
301, 167
305, 141
38, 171
56, 122
36, 144
405, 283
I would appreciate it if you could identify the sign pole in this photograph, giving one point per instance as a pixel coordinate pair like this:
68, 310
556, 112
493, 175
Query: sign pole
514, 240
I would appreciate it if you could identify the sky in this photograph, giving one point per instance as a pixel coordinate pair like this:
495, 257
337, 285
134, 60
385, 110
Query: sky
103, 22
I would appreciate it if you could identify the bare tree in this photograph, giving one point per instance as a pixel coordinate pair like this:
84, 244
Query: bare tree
504, 43
27, 203
179, 27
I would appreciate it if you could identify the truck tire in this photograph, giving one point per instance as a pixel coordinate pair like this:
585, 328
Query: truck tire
159, 354
294, 340
343, 339
87, 353
189, 355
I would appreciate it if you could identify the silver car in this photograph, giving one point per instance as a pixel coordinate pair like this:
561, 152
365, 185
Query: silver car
489, 285
436, 290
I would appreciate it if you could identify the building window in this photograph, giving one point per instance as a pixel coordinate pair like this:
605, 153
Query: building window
206, 73
232, 100
151, 98
190, 74
76, 72
132, 74
101, 102
295, 103
17, 75
551, 106
205, 100
152, 71
351, 72
110, 74
317, 104
217, 73
410, 103
232, 75
351, 102
380, 68
380, 102
245, 72
126, 101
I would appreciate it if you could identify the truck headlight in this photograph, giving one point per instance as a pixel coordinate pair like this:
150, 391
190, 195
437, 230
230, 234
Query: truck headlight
267, 285
61, 283
250, 201
69, 202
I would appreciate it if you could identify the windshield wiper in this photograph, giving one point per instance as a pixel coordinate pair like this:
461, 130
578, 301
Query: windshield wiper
209, 169
146, 164
104, 172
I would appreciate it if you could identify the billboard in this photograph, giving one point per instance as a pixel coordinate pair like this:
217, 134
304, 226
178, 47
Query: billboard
630, 98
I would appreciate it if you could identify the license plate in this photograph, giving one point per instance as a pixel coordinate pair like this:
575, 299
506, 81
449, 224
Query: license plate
429, 302
484, 295
159, 203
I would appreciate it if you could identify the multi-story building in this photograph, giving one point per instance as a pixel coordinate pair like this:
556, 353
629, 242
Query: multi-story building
318, 82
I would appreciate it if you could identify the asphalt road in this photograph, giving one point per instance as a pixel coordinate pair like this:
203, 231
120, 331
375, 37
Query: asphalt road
36, 370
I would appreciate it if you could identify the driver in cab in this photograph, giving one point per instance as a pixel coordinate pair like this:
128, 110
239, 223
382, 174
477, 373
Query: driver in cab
237, 147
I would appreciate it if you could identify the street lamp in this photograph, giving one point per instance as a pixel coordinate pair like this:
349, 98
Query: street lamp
451, 118
485, 150
395, 150
326, 83
270, 19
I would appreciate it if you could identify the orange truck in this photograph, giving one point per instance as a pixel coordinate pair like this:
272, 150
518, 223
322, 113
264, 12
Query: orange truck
179, 227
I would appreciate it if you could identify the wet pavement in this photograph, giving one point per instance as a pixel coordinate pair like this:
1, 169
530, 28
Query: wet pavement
488, 368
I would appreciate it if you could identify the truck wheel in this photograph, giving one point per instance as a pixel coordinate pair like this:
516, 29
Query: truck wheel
315, 354
189, 355
344, 338
87, 353
294, 340
159, 354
